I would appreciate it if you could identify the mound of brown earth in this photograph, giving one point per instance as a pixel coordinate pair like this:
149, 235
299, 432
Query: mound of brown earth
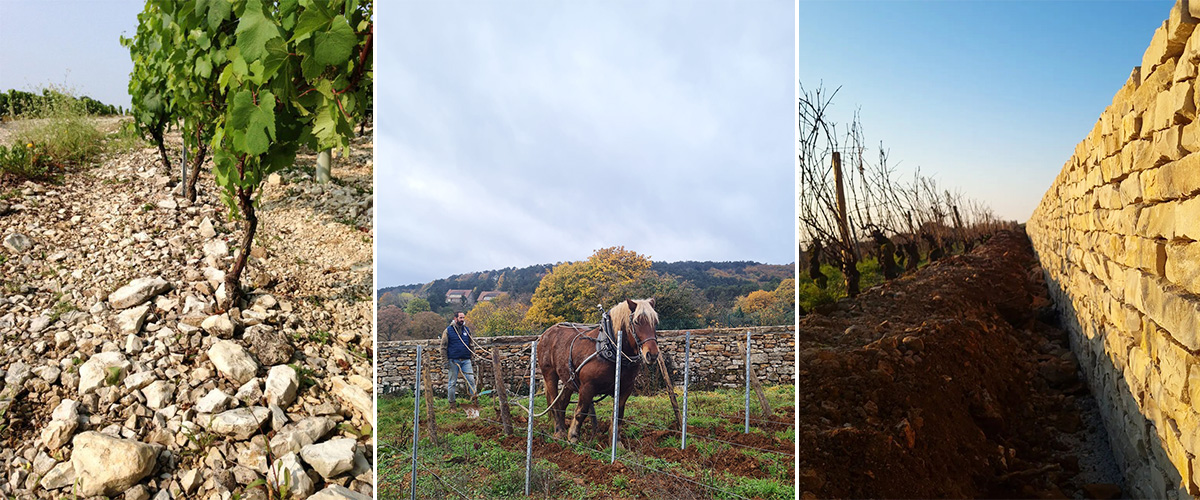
944, 383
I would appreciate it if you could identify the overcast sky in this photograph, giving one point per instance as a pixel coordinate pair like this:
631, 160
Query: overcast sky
987, 96
71, 43
511, 134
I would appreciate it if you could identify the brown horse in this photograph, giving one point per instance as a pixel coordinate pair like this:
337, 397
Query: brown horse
562, 355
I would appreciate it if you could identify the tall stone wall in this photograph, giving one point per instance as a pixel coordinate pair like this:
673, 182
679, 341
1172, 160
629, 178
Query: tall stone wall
1118, 236
716, 361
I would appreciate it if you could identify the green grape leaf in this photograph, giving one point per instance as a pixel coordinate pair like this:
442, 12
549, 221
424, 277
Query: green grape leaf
226, 75
333, 47
325, 125
218, 11
309, 66
276, 55
254, 30
239, 66
203, 68
310, 20
253, 123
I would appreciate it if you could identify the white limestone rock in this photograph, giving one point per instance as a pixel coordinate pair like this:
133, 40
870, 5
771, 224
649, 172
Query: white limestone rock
105, 465
137, 291
233, 361
330, 458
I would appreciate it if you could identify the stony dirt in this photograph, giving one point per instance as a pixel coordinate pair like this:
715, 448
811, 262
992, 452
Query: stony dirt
191, 393
950, 382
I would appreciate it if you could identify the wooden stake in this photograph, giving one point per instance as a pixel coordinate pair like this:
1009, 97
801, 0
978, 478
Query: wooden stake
662, 367
433, 433
763, 404
849, 271
501, 393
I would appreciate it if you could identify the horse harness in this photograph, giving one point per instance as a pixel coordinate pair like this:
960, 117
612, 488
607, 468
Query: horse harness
606, 348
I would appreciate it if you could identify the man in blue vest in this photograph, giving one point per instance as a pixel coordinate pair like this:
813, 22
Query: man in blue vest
456, 343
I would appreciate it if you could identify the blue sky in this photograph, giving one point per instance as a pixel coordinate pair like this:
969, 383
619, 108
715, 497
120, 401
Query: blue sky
988, 97
71, 43
511, 134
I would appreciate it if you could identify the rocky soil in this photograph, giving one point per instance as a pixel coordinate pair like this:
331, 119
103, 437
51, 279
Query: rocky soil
121, 378
950, 382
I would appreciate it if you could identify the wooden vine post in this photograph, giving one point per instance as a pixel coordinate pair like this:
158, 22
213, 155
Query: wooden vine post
849, 262
501, 393
433, 433
763, 404
662, 367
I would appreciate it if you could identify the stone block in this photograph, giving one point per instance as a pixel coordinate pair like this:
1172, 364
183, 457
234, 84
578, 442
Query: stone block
1190, 140
1135, 155
1180, 25
1131, 127
1185, 70
1189, 420
1177, 457
1175, 105
1112, 145
1173, 364
1181, 178
1108, 196
1137, 375
1154, 83
1157, 221
1153, 190
1167, 145
1187, 219
1175, 313
1183, 265
1113, 245
1132, 321
1136, 286
1157, 52
1131, 189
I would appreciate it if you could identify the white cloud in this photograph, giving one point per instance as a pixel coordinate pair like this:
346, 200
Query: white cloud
511, 136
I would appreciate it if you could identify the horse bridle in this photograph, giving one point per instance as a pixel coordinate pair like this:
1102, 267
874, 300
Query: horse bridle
639, 343
607, 333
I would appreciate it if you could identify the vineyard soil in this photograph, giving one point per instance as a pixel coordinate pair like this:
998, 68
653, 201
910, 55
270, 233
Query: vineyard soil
160, 368
949, 382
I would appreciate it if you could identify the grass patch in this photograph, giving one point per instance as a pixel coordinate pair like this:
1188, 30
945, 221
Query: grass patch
62, 307
321, 337
482, 468
59, 133
307, 376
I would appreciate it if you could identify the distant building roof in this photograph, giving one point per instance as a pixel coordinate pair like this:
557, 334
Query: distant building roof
490, 295
457, 294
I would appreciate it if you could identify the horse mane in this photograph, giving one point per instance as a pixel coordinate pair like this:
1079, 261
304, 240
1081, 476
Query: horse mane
623, 319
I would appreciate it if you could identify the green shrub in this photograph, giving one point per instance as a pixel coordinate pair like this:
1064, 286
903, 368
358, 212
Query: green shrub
27, 161
63, 129
58, 133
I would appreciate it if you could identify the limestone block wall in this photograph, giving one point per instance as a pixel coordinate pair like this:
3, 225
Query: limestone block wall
1118, 236
716, 359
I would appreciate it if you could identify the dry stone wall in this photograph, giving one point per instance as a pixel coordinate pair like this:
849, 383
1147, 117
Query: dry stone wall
717, 359
1118, 236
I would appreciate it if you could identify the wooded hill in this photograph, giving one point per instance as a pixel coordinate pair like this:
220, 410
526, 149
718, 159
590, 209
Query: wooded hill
720, 282
689, 294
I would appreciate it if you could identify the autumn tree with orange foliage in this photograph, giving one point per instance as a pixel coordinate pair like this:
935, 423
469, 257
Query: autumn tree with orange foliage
572, 290
499, 316
771, 307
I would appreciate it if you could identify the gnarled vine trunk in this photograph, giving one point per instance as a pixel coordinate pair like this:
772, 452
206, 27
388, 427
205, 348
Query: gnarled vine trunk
189, 184
245, 201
